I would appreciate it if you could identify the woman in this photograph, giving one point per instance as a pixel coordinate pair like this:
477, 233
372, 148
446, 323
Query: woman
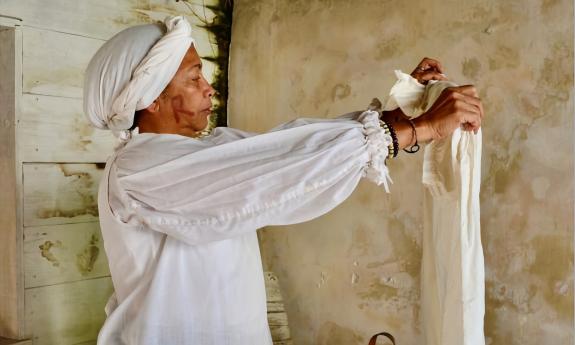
179, 212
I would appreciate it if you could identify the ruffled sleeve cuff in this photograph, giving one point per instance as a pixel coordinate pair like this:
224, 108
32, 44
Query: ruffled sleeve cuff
378, 143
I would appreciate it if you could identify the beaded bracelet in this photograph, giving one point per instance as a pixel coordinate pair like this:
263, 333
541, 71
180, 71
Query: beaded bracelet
394, 140
415, 147
393, 148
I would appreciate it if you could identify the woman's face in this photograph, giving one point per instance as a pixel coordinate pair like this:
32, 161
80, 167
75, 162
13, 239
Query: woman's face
186, 102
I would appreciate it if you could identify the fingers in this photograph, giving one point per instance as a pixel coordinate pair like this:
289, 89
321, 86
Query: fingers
425, 66
468, 128
428, 63
476, 102
467, 108
468, 93
471, 123
469, 90
469, 117
456, 107
470, 96
424, 77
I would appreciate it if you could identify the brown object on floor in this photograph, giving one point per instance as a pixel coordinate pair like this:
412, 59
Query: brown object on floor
373, 339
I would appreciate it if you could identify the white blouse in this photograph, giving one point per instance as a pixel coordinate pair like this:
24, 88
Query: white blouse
179, 219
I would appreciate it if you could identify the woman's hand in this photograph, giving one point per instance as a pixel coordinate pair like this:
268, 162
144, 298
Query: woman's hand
428, 69
393, 116
456, 107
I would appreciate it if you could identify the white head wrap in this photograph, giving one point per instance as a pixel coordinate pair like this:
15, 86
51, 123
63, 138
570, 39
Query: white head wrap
131, 70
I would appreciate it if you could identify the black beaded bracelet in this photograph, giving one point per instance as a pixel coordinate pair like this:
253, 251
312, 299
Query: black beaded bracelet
395, 141
415, 147
393, 148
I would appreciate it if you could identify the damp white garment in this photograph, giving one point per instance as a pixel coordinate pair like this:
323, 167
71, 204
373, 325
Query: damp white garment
452, 276
179, 219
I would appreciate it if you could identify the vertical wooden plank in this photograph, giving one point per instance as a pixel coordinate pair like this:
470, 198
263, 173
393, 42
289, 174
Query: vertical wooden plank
10, 227
277, 317
58, 254
273, 293
70, 197
68, 313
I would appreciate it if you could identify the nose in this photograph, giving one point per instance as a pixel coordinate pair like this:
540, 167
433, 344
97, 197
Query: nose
210, 91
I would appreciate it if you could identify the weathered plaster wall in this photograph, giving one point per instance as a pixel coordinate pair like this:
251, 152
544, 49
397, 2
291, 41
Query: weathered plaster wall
355, 271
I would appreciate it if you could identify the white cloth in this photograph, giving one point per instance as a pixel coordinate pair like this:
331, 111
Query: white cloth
131, 70
452, 276
179, 219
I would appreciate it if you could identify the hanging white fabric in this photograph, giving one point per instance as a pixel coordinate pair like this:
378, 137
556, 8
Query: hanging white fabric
452, 275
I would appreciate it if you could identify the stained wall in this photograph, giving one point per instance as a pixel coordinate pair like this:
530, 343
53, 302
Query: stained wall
355, 271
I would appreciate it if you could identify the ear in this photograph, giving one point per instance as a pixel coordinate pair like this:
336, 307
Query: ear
154, 107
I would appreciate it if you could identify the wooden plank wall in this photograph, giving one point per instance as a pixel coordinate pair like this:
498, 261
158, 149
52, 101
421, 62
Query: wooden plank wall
10, 241
277, 317
57, 161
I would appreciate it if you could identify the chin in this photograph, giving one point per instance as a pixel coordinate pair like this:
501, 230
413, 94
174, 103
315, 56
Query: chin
202, 126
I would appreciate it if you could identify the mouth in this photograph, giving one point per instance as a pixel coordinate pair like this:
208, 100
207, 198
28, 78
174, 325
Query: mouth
207, 110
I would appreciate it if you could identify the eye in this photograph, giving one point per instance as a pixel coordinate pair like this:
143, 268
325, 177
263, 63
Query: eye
195, 77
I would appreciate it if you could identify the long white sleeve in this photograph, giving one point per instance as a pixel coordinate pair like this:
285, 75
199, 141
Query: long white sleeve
206, 190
